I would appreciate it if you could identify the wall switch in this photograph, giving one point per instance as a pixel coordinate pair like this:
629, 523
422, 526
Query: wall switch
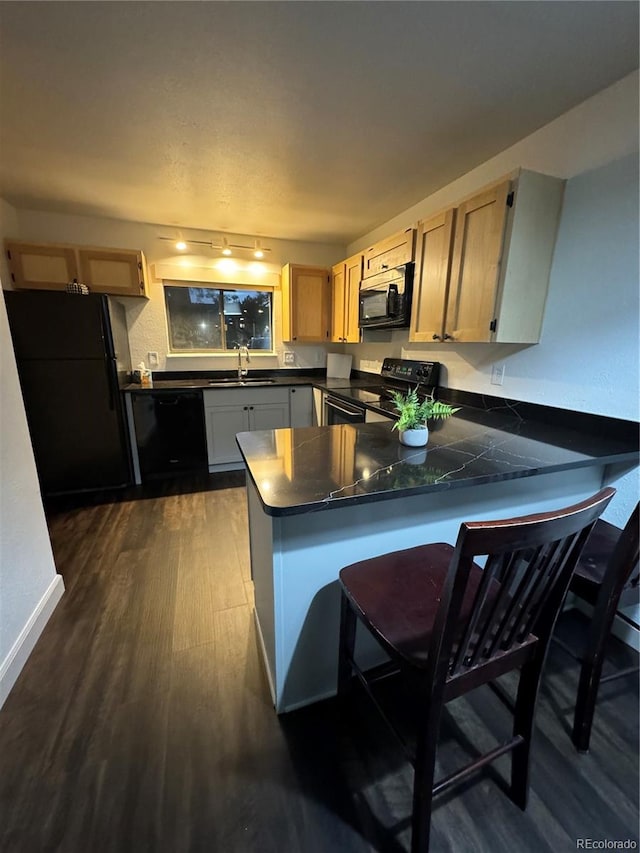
289, 358
152, 359
497, 374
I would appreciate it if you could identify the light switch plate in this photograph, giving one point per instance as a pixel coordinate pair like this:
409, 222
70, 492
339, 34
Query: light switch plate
289, 358
152, 359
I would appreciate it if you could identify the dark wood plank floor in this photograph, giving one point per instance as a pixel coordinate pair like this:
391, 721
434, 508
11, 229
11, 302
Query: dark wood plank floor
142, 721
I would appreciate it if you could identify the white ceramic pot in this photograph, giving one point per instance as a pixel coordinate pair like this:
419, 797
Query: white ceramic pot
414, 437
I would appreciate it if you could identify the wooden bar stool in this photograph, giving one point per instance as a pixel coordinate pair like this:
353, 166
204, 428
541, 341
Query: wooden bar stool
606, 576
449, 626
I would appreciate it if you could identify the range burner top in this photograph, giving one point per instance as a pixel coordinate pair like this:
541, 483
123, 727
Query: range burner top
400, 375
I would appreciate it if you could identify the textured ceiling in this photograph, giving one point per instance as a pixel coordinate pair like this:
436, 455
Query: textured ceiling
300, 120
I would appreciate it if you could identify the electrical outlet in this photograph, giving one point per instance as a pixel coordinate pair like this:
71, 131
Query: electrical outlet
497, 374
289, 358
152, 359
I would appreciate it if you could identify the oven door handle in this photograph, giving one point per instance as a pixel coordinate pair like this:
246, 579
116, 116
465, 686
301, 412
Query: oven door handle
331, 401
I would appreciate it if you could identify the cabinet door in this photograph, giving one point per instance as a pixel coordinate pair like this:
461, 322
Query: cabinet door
389, 253
430, 287
477, 252
306, 302
338, 292
269, 416
301, 406
353, 275
345, 292
223, 422
41, 267
120, 272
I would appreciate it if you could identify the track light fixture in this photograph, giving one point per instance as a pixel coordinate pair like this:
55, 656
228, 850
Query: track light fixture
222, 245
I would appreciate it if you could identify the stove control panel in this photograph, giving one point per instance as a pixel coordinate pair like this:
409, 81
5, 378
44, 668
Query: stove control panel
407, 370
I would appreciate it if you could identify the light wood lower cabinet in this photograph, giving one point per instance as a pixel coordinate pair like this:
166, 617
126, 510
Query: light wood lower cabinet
35, 266
482, 269
232, 410
306, 304
345, 293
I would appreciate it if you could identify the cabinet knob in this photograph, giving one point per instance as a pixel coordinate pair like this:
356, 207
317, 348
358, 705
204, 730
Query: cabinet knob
384, 266
436, 337
246, 408
448, 337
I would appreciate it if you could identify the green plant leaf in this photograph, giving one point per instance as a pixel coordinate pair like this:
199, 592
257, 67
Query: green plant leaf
414, 414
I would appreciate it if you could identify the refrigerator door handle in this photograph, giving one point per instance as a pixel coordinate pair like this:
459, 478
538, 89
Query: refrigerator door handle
108, 363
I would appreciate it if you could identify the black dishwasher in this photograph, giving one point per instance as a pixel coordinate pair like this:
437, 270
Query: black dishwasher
170, 432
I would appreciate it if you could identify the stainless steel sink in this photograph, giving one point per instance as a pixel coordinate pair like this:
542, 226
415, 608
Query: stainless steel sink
239, 383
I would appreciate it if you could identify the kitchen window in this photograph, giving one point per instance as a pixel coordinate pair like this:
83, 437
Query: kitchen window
218, 319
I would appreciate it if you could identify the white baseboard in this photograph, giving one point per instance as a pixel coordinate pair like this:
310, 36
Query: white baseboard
12, 665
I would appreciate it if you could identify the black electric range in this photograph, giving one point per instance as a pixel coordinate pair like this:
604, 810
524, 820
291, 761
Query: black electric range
399, 374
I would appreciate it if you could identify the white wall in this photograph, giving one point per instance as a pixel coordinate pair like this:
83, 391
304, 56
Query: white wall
29, 585
146, 319
588, 357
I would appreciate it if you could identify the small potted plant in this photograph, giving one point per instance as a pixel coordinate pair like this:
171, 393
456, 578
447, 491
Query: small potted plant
414, 414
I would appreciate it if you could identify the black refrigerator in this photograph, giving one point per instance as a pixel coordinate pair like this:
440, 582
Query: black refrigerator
73, 356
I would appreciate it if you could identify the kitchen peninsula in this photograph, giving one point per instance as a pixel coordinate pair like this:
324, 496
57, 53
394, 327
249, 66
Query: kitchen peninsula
320, 498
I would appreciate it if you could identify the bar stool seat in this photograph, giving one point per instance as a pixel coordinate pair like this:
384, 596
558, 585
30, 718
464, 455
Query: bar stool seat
397, 596
449, 626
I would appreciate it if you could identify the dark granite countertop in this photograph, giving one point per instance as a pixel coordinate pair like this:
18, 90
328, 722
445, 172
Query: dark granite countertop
316, 468
166, 381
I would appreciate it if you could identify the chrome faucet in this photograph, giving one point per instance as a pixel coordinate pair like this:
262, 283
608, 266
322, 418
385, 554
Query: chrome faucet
242, 371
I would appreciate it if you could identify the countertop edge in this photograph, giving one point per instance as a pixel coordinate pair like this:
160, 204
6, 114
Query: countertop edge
410, 491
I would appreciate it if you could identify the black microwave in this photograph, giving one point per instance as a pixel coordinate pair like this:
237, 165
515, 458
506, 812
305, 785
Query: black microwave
385, 299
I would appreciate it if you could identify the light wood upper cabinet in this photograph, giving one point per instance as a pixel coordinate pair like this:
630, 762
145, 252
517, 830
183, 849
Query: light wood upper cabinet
33, 266
389, 253
477, 252
306, 304
489, 283
41, 267
434, 245
117, 271
345, 291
